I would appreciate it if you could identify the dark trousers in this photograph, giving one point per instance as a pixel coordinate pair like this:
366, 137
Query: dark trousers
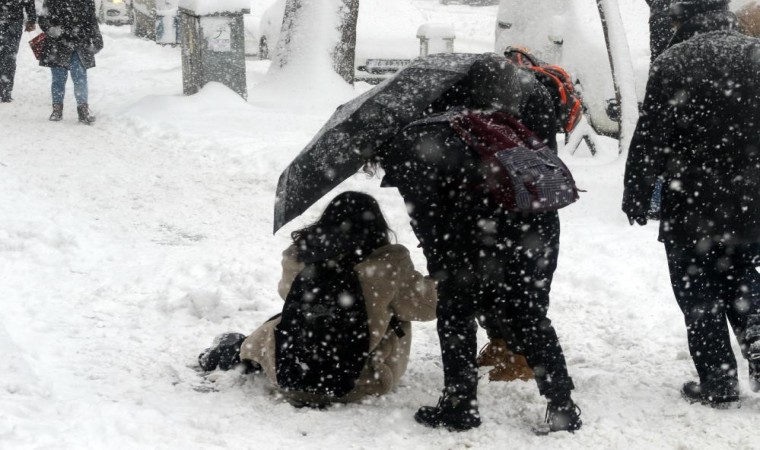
712, 285
10, 37
507, 284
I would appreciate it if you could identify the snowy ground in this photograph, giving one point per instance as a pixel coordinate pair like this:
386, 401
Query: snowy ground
126, 246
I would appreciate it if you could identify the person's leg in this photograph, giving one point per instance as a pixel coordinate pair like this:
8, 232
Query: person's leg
457, 408
532, 248
743, 288
698, 282
10, 36
58, 85
79, 78
744, 310
457, 335
58, 91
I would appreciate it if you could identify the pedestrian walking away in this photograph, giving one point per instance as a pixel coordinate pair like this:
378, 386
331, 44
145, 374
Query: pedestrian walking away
12, 23
73, 39
699, 131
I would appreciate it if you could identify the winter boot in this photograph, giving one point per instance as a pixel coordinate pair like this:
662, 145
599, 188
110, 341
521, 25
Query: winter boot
455, 412
493, 353
513, 367
83, 111
223, 353
563, 415
57, 113
724, 398
754, 375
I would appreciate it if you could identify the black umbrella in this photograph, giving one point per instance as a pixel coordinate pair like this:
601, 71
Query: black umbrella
358, 128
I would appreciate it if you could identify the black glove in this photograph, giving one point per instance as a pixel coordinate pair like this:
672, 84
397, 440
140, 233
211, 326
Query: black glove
641, 220
223, 353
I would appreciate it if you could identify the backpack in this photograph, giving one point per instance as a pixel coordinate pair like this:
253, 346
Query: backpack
322, 340
556, 79
523, 173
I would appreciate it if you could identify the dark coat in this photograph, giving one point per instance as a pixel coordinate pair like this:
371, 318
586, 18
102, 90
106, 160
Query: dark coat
446, 214
71, 26
660, 26
700, 131
14, 10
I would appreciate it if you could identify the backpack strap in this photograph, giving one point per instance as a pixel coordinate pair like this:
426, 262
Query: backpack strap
395, 325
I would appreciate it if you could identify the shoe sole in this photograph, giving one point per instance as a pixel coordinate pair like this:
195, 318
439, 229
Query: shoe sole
447, 427
731, 404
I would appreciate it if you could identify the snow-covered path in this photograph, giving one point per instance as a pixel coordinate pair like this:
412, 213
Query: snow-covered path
126, 246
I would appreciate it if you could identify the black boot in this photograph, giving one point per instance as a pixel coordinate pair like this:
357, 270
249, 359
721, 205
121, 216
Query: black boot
85, 117
721, 398
223, 353
455, 412
563, 415
57, 113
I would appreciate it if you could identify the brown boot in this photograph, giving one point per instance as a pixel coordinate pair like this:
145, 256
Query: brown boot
493, 353
513, 367
85, 117
57, 113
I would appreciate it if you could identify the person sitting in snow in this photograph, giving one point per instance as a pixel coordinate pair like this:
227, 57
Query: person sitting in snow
749, 18
353, 234
699, 131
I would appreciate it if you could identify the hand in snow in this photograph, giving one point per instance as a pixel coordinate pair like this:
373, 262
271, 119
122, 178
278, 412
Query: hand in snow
30, 26
641, 220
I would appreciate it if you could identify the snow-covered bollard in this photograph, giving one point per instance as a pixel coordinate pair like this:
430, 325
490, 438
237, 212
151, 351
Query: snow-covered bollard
167, 26
213, 44
436, 38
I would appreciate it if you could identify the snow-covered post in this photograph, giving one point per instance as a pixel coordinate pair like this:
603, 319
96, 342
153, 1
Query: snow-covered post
622, 69
317, 35
213, 44
436, 38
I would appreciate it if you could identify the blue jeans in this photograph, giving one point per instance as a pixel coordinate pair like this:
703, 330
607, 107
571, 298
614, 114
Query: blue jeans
78, 76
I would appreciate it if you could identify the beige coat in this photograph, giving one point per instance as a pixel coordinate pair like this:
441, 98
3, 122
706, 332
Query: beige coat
749, 18
391, 287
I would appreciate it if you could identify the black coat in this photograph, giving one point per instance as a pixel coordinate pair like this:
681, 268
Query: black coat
433, 169
700, 131
14, 10
660, 30
70, 25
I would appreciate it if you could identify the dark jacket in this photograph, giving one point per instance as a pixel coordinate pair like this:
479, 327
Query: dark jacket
700, 131
660, 26
447, 216
71, 26
14, 10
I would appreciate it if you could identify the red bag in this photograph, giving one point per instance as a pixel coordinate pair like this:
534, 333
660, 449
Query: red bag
524, 174
38, 45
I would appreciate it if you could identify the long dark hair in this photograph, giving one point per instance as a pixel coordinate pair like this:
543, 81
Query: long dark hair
351, 227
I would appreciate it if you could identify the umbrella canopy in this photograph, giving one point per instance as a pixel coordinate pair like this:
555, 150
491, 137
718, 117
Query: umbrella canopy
358, 128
